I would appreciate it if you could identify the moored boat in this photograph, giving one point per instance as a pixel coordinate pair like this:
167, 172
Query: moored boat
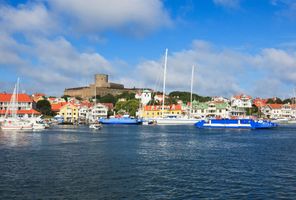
12, 124
95, 126
175, 120
235, 123
121, 120
11, 120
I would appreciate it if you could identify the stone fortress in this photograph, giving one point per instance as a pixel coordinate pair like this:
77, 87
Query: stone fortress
101, 87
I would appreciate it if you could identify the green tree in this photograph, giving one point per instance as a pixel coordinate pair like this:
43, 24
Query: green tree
44, 107
130, 107
287, 101
109, 98
185, 96
252, 111
78, 98
275, 100
119, 106
65, 97
126, 95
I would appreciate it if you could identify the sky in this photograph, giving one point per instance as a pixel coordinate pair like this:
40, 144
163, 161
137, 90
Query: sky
236, 46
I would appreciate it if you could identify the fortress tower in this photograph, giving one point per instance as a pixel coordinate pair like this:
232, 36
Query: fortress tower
101, 81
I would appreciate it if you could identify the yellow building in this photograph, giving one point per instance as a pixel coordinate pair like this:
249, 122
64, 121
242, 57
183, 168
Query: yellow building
69, 112
156, 111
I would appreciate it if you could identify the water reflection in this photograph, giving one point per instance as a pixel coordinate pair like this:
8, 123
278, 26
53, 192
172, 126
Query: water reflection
16, 138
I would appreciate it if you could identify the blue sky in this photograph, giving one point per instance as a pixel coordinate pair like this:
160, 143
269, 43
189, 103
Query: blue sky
237, 46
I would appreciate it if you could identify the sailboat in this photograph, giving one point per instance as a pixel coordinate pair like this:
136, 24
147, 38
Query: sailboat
175, 119
11, 121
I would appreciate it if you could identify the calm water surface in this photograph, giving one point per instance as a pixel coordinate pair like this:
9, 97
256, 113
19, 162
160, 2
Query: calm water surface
148, 162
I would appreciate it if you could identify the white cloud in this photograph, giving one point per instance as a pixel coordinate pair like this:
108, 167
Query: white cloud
59, 54
26, 18
51, 64
222, 71
228, 3
135, 16
10, 51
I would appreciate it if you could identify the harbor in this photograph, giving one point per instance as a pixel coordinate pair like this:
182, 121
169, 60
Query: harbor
139, 162
147, 99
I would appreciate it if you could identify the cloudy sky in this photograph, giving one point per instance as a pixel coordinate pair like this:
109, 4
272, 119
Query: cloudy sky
237, 46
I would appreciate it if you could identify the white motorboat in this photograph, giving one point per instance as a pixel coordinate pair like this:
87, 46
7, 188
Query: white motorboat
95, 126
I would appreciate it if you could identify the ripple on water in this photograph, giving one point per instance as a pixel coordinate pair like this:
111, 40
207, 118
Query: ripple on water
143, 162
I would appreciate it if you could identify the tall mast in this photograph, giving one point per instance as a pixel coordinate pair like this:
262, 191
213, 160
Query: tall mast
191, 89
16, 96
95, 94
294, 96
164, 79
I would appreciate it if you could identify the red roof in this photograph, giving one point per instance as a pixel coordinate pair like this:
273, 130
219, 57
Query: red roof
240, 96
57, 106
109, 105
275, 105
260, 102
4, 97
38, 95
22, 112
51, 98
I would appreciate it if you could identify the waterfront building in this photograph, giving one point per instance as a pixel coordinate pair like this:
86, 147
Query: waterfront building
240, 104
98, 111
83, 113
258, 102
278, 111
56, 107
155, 111
25, 105
210, 109
100, 87
69, 112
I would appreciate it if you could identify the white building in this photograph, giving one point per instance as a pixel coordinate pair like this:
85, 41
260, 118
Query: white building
83, 113
239, 104
210, 109
278, 111
97, 111
159, 97
144, 97
220, 99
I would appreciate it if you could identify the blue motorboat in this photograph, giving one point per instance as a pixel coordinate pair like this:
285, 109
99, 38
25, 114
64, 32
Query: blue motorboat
121, 120
235, 123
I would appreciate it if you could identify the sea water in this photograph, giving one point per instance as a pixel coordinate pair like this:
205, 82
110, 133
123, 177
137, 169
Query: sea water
148, 162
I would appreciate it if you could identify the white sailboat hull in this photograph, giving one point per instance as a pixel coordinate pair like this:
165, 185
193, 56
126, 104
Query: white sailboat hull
16, 127
175, 121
